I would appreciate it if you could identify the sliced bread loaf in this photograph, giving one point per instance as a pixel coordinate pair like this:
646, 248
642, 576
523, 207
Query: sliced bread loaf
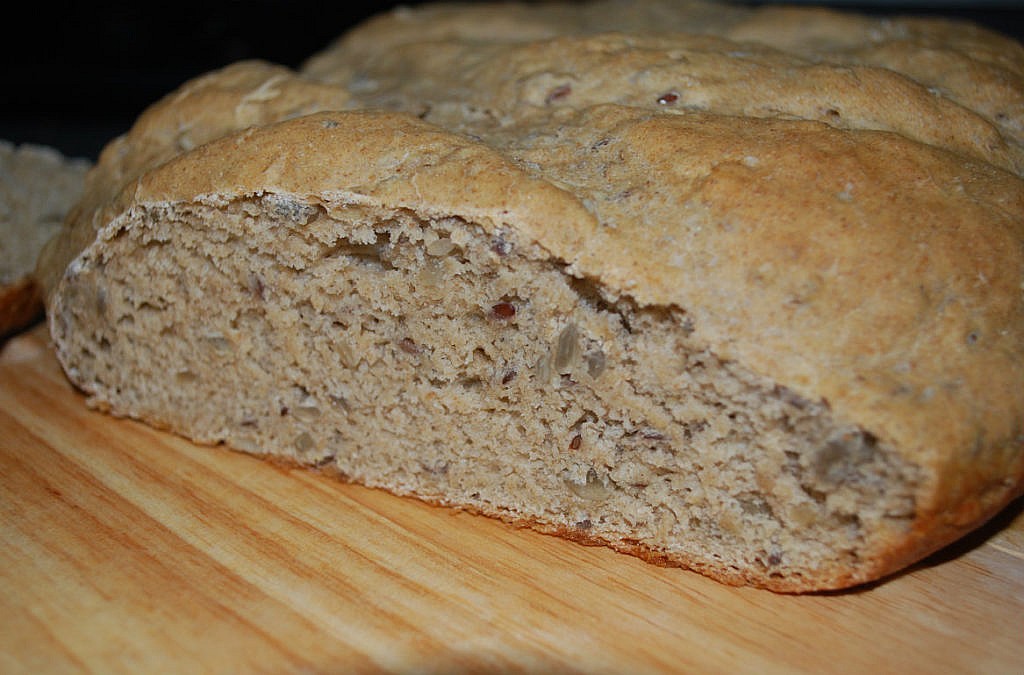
715, 330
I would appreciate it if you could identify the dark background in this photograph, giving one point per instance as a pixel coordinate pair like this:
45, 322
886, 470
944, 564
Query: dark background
75, 75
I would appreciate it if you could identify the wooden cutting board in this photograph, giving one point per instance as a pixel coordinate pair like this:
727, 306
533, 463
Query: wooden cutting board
127, 549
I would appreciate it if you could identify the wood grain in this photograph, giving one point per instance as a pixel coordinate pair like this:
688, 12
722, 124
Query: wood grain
127, 549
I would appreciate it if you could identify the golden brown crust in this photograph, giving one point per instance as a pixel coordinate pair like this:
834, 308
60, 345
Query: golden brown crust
245, 94
21, 305
823, 64
880, 271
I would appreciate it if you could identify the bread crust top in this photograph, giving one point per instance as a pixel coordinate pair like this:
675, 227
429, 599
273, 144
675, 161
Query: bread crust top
841, 212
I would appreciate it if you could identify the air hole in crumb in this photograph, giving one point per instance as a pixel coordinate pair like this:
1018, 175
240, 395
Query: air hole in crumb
791, 397
325, 460
841, 458
508, 376
590, 294
972, 338
470, 383
373, 254
690, 429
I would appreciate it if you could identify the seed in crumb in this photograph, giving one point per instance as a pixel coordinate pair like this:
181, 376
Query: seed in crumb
575, 443
256, 287
304, 443
307, 413
668, 98
593, 490
567, 348
508, 376
543, 369
503, 310
558, 93
501, 246
408, 346
440, 247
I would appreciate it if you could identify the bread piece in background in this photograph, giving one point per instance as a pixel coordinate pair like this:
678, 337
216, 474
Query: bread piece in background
38, 185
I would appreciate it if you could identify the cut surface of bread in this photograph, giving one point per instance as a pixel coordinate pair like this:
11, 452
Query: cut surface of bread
772, 344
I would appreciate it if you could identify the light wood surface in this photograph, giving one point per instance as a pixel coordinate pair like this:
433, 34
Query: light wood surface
127, 549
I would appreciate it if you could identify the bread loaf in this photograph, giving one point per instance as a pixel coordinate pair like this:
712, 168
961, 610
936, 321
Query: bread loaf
634, 277
37, 187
